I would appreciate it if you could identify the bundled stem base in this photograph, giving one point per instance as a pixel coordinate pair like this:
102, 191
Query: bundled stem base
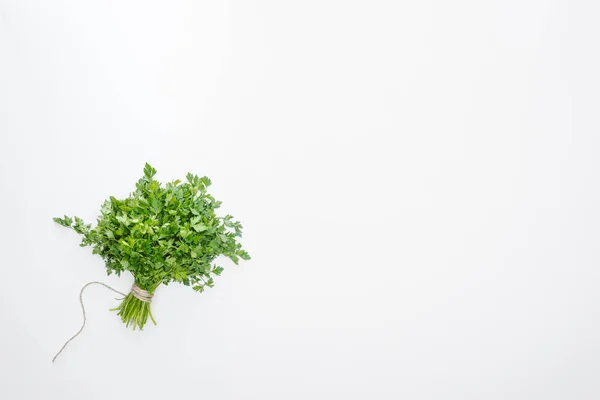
134, 311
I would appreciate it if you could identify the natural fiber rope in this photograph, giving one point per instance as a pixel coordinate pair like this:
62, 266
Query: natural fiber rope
83, 310
141, 294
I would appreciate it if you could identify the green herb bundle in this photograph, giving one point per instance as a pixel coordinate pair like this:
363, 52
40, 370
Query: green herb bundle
161, 234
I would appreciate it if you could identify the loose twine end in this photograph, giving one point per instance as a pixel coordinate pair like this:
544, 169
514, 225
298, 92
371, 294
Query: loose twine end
137, 292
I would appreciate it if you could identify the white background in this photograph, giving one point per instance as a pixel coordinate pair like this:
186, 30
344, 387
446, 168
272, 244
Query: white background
418, 182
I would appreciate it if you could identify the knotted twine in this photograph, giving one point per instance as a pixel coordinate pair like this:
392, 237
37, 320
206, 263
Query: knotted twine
137, 292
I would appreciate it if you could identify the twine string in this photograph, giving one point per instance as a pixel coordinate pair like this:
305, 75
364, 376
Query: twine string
139, 293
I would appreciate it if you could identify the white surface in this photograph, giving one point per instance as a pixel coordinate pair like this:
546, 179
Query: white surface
418, 183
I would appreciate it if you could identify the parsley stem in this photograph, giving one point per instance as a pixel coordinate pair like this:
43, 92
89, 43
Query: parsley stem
134, 312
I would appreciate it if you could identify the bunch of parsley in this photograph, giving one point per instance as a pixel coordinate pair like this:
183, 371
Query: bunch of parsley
161, 234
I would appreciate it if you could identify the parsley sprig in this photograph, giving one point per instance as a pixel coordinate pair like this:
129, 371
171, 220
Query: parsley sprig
161, 234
